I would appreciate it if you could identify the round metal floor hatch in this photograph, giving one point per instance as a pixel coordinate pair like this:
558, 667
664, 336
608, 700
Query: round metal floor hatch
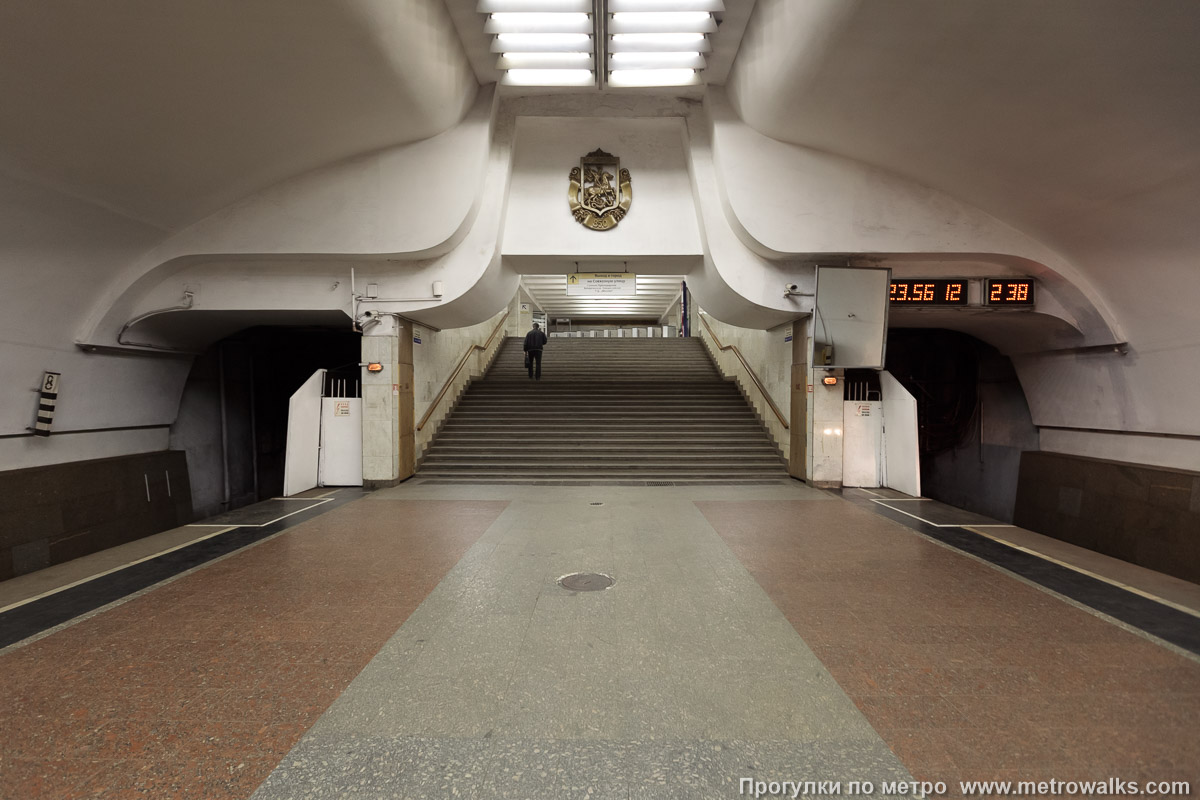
586, 581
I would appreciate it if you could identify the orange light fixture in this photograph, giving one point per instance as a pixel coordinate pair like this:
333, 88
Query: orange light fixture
830, 381
374, 366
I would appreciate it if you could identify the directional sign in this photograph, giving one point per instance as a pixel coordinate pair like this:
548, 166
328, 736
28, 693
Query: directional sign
601, 284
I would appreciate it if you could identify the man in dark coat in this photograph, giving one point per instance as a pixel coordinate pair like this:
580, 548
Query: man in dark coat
535, 340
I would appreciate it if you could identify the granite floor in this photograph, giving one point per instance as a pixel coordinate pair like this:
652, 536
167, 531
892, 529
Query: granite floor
415, 643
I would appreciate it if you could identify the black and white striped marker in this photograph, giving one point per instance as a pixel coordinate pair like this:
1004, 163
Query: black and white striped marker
48, 399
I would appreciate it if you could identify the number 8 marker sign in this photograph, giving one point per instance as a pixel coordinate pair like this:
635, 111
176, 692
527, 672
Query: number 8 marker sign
47, 400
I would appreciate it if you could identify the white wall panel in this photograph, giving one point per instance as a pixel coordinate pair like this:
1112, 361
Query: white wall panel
341, 461
862, 443
902, 456
662, 217
301, 462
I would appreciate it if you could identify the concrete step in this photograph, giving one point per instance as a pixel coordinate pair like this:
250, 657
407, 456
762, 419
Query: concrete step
671, 429
682, 403
524, 387
558, 480
676, 473
596, 397
634, 464
643, 388
604, 422
618, 377
551, 439
614, 406
663, 455
572, 447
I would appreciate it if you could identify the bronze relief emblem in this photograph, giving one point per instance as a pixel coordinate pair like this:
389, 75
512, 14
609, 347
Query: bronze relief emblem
600, 191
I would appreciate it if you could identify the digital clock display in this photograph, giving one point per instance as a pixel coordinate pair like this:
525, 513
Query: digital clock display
928, 292
1003, 292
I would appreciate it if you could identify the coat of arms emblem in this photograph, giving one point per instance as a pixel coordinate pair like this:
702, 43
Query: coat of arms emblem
600, 191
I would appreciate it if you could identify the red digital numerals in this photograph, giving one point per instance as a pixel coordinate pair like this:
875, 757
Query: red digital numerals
1015, 293
928, 292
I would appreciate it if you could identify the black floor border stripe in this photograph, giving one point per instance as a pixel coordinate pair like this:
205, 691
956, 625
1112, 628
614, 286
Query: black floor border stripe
1163, 621
37, 616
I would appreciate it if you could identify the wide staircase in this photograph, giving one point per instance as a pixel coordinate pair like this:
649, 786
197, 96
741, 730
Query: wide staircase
606, 410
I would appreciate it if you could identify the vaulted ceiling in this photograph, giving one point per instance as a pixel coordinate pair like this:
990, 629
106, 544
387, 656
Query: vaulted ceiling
167, 111
1076, 121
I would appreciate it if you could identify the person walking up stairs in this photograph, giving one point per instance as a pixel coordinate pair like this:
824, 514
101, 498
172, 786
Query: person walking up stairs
535, 341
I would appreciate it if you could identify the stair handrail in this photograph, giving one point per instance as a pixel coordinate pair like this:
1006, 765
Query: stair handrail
757, 383
462, 362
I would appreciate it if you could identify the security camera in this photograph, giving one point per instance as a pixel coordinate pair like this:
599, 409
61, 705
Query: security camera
368, 315
792, 287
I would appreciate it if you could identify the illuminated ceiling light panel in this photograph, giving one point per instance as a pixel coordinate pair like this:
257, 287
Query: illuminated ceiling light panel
619, 61
544, 61
542, 43
549, 77
538, 23
662, 22
645, 42
658, 43
652, 77
534, 6
622, 6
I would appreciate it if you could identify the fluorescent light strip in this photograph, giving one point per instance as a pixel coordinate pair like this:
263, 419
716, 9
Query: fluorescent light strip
641, 22
686, 17
680, 60
658, 43
542, 43
549, 77
539, 23
652, 77
533, 6
622, 6
544, 61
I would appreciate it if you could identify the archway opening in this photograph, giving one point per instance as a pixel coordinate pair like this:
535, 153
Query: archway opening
233, 414
973, 418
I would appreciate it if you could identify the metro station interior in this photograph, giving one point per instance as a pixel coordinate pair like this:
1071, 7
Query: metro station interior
861, 455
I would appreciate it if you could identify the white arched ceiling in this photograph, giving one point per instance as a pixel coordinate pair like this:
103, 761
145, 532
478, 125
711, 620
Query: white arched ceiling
1075, 121
125, 123
167, 111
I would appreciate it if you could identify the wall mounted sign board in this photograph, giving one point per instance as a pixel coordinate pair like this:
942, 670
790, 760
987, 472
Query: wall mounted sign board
601, 284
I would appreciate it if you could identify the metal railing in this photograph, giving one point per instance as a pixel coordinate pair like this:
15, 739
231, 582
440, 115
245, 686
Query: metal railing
749, 370
462, 362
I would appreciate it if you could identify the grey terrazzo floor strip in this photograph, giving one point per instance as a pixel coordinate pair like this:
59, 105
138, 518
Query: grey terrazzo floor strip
679, 681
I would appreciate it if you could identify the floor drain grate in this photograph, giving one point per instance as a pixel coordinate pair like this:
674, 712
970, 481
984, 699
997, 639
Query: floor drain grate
659, 483
586, 581
595, 504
